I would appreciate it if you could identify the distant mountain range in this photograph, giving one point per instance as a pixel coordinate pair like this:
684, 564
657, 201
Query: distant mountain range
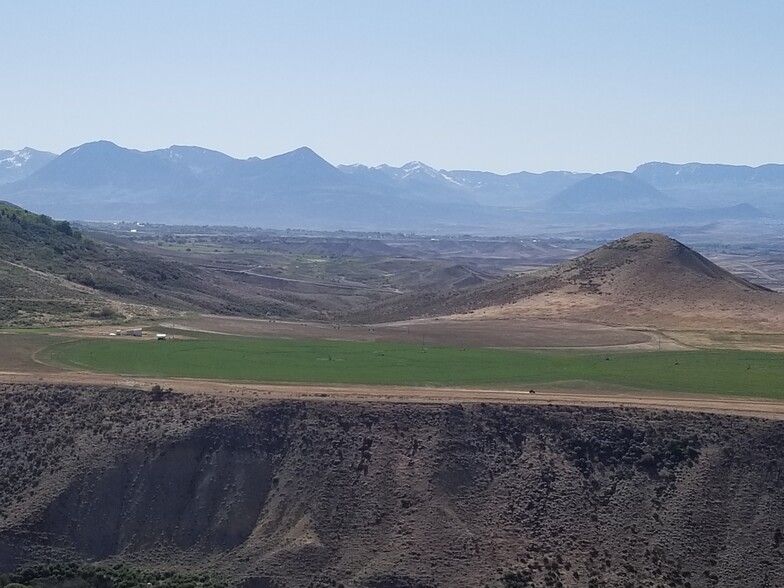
17, 165
299, 189
609, 193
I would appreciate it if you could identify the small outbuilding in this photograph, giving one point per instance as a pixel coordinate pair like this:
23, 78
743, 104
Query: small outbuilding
128, 333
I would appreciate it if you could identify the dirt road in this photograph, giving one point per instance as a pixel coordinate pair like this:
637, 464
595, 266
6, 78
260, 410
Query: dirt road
768, 409
528, 333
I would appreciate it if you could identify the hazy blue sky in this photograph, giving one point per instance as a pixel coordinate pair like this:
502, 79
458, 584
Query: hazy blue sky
503, 86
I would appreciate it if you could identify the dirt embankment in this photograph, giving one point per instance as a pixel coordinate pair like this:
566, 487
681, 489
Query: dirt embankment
327, 493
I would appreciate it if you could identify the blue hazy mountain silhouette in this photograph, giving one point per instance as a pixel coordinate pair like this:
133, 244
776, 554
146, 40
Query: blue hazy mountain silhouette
300, 189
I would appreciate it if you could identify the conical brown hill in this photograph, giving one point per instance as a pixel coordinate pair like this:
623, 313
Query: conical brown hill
645, 279
648, 267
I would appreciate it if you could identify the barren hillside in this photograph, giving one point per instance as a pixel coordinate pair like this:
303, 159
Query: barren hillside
645, 279
293, 494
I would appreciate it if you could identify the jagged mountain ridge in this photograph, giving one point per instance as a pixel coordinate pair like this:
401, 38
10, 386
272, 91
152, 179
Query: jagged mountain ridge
181, 185
193, 185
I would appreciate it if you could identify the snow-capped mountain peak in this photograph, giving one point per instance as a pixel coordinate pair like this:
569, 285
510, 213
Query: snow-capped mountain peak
15, 158
15, 165
417, 168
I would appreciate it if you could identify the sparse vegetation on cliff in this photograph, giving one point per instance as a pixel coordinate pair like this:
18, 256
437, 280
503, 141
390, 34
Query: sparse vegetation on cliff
119, 575
292, 494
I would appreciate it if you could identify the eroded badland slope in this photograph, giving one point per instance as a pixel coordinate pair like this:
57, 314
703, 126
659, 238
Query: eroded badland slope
390, 495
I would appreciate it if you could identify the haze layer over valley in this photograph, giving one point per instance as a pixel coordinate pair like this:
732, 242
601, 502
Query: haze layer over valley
101, 181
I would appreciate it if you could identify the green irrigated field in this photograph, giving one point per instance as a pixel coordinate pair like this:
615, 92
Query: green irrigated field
333, 362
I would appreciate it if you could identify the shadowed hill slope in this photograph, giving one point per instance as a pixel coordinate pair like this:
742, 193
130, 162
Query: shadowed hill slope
51, 274
643, 279
292, 494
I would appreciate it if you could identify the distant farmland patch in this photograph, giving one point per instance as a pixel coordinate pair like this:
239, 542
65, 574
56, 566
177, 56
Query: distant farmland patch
344, 362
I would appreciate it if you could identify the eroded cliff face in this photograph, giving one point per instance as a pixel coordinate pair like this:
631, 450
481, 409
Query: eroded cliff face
390, 495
